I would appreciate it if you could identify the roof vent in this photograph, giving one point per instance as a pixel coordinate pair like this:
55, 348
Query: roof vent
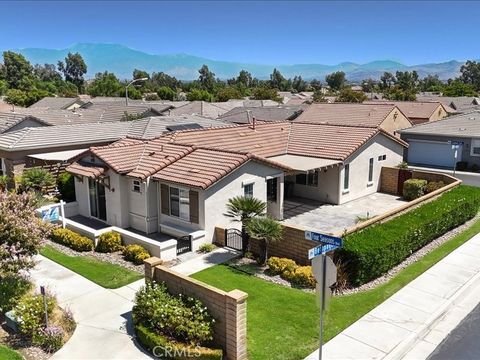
151, 153
194, 171
471, 118
462, 129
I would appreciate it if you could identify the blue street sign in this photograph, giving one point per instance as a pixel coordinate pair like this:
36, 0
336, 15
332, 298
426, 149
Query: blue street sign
320, 250
458, 143
325, 239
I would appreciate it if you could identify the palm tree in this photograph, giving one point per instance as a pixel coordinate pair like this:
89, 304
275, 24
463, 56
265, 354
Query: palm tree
243, 208
267, 230
36, 179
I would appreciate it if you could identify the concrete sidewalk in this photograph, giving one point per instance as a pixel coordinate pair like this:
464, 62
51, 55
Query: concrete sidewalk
396, 328
204, 261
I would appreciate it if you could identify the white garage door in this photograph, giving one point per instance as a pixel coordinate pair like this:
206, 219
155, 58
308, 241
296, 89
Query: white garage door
432, 153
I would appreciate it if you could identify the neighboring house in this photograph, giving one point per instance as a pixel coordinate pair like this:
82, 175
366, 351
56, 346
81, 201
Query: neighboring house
431, 143
385, 116
180, 183
459, 103
40, 146
13, 121
58, 103
245, 115
419, 112
215, 109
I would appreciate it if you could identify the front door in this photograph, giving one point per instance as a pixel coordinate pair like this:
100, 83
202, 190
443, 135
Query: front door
98, 204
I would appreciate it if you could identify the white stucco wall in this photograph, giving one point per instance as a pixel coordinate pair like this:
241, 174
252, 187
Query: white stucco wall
359, 165
81, 194
326, 191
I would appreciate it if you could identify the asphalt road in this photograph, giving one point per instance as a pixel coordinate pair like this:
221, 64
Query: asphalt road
468, 178
463, 343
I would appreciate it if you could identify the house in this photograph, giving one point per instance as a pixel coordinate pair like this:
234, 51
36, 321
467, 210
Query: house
458, 103
419, 112
385, 116
179, 184
58, 103
430, 144
13, 121
56, 145
245, 115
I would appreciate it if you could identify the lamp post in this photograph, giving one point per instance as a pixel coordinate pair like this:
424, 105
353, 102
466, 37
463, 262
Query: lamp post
130, 83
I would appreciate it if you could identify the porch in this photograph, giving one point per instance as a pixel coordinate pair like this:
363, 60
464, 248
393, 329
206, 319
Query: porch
328, 218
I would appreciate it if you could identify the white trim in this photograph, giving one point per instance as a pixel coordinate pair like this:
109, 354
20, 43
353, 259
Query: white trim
248, 182
273, 176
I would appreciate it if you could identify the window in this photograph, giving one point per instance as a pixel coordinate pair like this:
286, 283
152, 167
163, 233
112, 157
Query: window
310, 178
136, 186
370, 170
248, 190
346, 176
382, 158
179, 203
475, 148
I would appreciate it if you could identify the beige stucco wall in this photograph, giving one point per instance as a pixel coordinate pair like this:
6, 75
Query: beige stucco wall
359, 166
326, 191
438, 114
396, 120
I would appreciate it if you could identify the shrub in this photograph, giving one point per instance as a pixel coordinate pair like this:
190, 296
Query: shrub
49, 339
37, 179
206, 248
152, 97
414, 188
179, 317
71, 239
371, 252
3, 182
301, 276
403, 165
66, 186
109, 242
433, 186
12, 288
31, 313
153, 342
135, 253
279, 265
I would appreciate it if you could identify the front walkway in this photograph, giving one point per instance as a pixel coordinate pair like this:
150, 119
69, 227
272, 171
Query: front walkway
104, 328
391, 329
329, 218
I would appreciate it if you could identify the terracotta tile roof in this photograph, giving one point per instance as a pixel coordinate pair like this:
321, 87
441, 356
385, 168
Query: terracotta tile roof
412, 109
369, 115
86, 169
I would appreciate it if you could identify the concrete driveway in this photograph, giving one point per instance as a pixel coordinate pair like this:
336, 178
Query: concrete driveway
328, 218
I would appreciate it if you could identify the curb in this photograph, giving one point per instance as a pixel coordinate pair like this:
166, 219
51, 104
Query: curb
409, 342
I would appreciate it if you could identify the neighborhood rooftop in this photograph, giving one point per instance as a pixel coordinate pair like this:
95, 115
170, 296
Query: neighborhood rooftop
58, 103
415, 109
245, 115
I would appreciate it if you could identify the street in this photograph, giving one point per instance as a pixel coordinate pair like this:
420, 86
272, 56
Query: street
463, 342
468, 178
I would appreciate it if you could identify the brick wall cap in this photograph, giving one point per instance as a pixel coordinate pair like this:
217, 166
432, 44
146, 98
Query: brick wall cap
153, 261
238, 295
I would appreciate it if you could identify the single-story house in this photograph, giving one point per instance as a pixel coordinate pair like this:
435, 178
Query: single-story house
180, 183
10, 121
384, 116
215, 109
58, 103
430, 144
245, 115
419, 112
458, 103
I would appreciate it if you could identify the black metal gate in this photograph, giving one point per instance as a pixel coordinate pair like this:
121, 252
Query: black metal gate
184, 244
234, 239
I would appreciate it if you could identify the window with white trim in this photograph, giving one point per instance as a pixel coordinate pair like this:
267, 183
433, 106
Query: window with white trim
475, 150
180, 203
248, 190
310, 178
136, 186
382, 158
346, 177
370, 170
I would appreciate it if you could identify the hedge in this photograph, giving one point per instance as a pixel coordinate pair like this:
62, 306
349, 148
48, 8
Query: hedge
371, 252
156, 343
71, 239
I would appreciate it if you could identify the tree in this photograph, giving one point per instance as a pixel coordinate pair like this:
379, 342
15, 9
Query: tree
140, 74
21, 235
431, 83
407, 81
47, 73
37, 180
387, 81
470, 74
298, 84
264, 93
369, 85
243, 209
350, 96
199, 95
3, 87
15, 69
458, 88
245, 78
267, 230
318, 97
105, 84
16, 97
228, 93
162, 79
336, 80
277, 81
166, 93
74, 68
206, 79
316, 84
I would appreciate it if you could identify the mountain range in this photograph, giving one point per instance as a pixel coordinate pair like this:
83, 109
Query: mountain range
122, 60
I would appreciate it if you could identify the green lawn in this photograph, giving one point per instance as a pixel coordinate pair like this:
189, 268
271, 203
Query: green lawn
9, 354
283, 322
108, 275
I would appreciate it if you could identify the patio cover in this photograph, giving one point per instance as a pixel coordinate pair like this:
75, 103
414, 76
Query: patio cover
57, 156
303, 163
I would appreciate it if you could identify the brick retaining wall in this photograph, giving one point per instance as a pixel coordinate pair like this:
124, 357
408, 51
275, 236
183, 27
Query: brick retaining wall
228, 308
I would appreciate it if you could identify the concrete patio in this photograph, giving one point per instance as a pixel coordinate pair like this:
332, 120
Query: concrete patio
329, 218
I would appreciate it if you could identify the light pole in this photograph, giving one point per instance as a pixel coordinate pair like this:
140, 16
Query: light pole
130, 83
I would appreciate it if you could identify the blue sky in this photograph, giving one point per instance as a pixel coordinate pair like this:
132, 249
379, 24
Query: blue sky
268, 32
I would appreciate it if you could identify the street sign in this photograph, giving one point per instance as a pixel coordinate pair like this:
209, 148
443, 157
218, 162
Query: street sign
319, 250
456, 143
325, 239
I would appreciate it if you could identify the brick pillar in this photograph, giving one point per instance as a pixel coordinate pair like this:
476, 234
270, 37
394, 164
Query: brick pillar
236, 325
150, 264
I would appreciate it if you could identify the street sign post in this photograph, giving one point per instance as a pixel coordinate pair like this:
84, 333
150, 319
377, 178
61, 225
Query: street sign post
455, 146
324, 270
